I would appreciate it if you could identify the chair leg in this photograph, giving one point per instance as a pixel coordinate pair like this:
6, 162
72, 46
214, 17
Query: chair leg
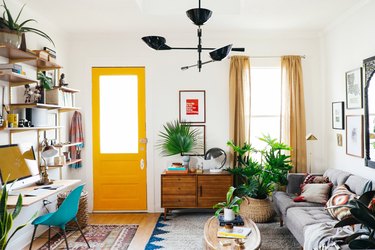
79, 228
49, 237
32, 238
66, 240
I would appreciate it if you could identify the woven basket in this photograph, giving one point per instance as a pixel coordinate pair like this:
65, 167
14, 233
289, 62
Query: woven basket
257, 210
83, 209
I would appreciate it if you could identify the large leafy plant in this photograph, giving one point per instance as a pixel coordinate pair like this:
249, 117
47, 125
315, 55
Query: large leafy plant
178, 138
231, 203
6, 218
363, 215
258, 177
7, 21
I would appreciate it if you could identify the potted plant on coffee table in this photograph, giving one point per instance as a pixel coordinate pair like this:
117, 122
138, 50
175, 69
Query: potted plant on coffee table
179, 138
258, 178
231, 206
12, 30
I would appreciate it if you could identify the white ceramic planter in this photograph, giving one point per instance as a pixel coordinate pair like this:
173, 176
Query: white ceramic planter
228, 214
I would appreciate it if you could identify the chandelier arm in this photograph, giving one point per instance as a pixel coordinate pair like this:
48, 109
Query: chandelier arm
196, 65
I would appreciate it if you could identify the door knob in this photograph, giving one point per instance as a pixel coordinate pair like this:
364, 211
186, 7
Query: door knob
142, 164
143, 140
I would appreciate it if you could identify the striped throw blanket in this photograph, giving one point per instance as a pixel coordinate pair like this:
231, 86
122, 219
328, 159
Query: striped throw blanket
76, 135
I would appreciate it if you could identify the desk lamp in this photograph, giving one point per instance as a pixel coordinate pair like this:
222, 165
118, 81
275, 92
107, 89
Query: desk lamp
47, 152
215, 153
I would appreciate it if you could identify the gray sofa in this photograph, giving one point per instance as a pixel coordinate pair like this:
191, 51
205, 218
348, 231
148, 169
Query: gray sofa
297, 215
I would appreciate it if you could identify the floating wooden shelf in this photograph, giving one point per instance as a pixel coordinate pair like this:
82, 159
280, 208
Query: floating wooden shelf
15, 79
68, 145
15, 55
33, 105
42, 64
33, 128
68, 109
66, 164
69, 90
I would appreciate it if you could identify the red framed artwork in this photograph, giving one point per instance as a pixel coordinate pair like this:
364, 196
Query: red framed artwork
192, 106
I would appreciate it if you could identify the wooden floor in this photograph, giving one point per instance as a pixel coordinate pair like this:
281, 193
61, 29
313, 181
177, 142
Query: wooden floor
146, 222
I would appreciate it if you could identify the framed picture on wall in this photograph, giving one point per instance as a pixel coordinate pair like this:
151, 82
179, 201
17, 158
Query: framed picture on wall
338, 115
192, 106
200, 149
353, 80
354, 135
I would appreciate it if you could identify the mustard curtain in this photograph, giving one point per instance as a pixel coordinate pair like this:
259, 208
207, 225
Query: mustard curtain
239, 101
293, 111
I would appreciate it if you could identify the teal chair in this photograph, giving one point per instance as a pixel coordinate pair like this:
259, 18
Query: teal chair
64, 214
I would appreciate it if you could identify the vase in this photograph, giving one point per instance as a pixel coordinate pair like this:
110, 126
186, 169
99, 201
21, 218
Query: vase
186, 160
228, 214
9, 37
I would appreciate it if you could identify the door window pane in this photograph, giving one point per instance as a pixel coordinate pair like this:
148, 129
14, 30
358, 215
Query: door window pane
118, 114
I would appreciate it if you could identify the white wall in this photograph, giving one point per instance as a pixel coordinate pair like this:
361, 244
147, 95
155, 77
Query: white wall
344, 46
164, 79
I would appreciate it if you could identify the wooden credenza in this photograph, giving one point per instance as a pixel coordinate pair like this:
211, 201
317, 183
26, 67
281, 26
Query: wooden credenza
194, 190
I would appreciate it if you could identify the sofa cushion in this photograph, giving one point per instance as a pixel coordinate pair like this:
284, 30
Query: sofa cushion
300, 217
311, 179
317, 192
337, 177
356, 184
341, 196
284, 201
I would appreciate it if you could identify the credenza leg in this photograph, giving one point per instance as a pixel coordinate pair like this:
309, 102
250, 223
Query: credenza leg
165, 214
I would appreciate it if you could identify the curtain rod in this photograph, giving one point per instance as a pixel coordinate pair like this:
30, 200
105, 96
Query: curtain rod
302, 56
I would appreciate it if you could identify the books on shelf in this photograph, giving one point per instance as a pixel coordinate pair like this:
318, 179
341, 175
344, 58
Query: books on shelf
237, 232
238, 221
176, 168
15, 68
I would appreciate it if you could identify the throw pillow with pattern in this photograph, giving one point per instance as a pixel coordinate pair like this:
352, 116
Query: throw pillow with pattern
311, 179
317, 193
340, 196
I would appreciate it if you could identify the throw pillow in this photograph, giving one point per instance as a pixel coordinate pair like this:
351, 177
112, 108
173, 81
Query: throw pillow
310, 179
340, 196
317, 193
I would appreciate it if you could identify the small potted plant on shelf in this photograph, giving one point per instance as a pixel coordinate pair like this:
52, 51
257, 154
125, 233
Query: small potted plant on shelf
178, 138
231, 206
258, 178
12, 30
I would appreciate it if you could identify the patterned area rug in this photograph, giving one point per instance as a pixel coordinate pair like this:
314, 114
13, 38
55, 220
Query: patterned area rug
184, 231
102, 237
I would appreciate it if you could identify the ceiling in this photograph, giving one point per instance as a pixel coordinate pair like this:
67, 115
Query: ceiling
99, 16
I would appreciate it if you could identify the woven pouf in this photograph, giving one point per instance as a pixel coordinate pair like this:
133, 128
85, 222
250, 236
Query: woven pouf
257, 210
83, 210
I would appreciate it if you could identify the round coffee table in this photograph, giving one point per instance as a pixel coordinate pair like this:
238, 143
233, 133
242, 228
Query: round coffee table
211, 241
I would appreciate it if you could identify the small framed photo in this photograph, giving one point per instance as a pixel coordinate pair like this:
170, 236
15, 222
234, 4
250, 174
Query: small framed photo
354, 135
192, 106
353, 80
201, 148
339, 140
338, 115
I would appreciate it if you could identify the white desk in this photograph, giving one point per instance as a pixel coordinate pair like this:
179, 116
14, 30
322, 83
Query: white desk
27, 201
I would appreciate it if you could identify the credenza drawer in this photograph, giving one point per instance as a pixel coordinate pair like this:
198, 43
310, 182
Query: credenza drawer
175, 201
175, 180
170, 188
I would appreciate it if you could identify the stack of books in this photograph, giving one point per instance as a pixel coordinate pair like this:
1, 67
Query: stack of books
237, 232
176, 168
238, 221
15, 68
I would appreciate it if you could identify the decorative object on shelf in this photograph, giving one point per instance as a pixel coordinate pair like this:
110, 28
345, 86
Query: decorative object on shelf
339, 139
12, 120
178, 138
76, 135
310, 137
63, 83
354, 135
369, 100
28, 94
192, 106
37, 94
7, 217
231, 206
338, 115
354, 89
260, 178
48, 151
11, 30
45, 81
215, 153
198, 16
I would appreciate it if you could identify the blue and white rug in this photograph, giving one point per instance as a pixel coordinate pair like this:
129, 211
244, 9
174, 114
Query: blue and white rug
184, 231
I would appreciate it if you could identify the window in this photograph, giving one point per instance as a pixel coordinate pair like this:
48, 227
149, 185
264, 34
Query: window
265, 104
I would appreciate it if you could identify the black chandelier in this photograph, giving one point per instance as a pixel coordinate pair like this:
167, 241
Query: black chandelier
199, 16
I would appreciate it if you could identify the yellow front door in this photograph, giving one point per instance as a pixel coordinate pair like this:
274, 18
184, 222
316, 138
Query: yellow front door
119, 138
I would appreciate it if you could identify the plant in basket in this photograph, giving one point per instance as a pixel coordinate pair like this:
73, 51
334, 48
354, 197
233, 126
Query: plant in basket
259, 177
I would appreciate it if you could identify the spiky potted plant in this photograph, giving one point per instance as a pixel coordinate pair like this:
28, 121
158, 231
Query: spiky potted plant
12, 29
179, 138
231, 206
